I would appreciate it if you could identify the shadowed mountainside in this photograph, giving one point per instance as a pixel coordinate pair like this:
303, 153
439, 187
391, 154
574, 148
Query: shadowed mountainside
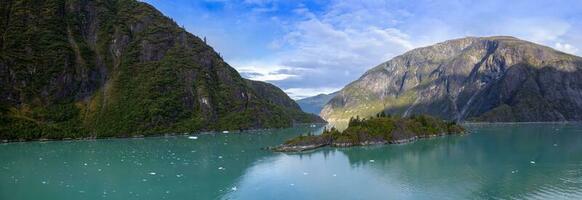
496, 79
314, 104
120, 68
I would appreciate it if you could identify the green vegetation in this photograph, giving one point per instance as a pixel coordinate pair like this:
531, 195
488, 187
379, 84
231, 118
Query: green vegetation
117, 68
380, 129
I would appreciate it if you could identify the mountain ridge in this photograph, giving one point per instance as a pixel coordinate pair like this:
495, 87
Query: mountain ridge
315, 103
109, 68
498, 78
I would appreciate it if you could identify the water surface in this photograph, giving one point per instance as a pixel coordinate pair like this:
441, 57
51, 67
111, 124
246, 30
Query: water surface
540, 161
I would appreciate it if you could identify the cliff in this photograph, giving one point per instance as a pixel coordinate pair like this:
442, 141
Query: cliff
119, 68
493, 79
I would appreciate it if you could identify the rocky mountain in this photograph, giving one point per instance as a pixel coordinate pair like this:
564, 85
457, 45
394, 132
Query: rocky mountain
314, 104
494, 79
101, 68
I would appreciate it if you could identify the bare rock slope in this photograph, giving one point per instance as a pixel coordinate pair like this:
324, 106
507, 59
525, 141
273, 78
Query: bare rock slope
497, 79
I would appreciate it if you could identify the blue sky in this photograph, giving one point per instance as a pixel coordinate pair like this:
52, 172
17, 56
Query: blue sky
319, 46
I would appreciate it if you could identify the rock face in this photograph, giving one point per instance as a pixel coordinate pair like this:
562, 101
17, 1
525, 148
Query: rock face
98, 68
496, 79
314, 104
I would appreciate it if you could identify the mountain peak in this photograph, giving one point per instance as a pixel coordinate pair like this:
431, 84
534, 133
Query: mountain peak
475, 78
120, 68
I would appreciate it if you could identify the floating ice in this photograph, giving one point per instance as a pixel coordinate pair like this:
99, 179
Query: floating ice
305, 173
220, 157
292, 184
193, 137
221, 168
224, 131
85, 164
514, 171
234, 188
372, 161
532, 162
334, 175
44, 182
555, 145
179, 175
152, 173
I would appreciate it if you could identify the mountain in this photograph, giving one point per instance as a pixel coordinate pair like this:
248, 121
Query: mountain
314, 104
102, 68
493, 79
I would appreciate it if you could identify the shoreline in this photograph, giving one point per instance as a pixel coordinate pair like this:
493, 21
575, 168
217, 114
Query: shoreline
509, 123
305, 148
6, 141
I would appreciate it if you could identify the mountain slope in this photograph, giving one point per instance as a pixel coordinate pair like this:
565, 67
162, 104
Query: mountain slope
314, 104
118, 68
477, 79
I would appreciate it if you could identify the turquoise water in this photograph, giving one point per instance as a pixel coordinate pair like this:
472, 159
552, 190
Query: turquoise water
539, 161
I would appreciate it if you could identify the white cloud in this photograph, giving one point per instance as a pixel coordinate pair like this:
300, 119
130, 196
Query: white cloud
268, 71
329, 43
329, 51
299, 93
565, 47
350, 37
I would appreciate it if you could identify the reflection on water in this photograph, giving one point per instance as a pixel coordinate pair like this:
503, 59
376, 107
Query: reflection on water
500, 161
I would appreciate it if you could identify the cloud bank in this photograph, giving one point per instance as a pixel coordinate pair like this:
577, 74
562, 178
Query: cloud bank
310, 47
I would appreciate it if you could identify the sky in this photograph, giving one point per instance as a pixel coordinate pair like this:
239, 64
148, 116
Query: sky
308, 47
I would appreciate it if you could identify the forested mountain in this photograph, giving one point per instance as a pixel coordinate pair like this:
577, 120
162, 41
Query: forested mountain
100, 68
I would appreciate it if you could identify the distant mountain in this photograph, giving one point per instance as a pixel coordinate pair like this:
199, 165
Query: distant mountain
314, 104
101, 68
478, 79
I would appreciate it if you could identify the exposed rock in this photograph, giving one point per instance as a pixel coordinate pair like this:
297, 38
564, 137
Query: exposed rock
478, 79
103, 68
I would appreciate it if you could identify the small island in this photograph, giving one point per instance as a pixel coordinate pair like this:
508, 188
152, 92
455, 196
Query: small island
382, 129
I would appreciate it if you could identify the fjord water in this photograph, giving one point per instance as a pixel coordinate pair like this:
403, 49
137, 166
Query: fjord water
495, 161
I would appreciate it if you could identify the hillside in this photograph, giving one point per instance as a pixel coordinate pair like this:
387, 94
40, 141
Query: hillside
314, 104
493, 79
105, 68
